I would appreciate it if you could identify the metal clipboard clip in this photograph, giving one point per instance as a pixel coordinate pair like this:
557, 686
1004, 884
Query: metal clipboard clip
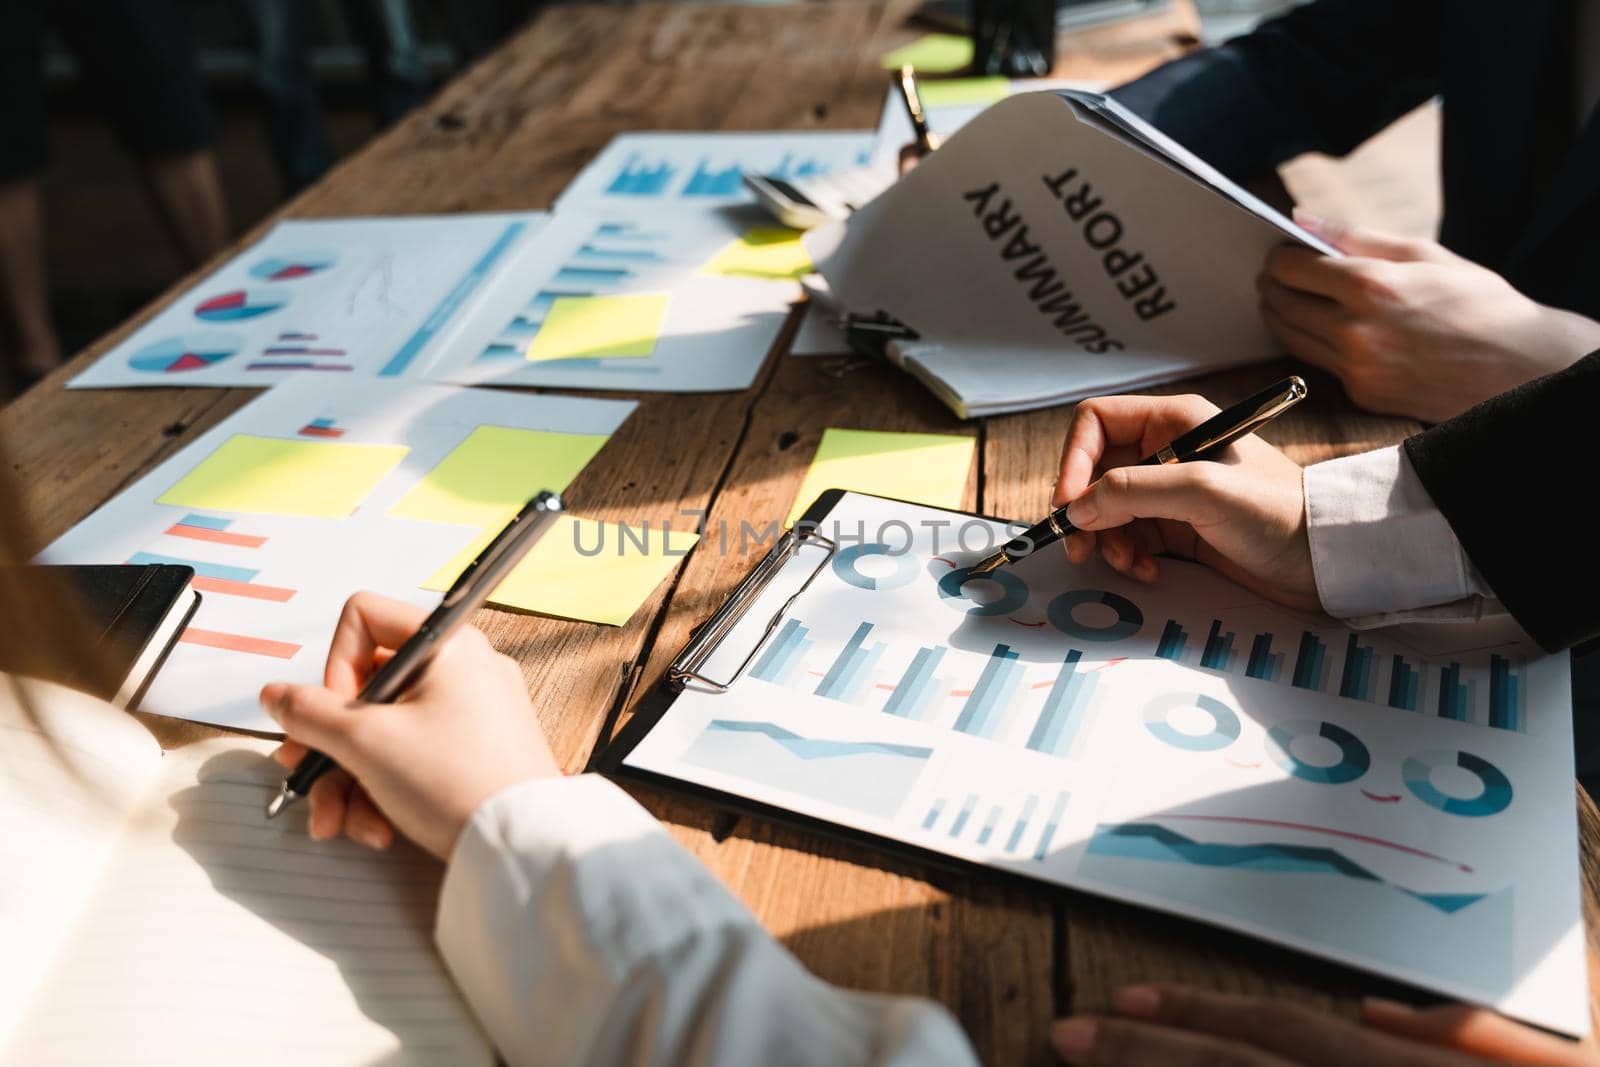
708, 639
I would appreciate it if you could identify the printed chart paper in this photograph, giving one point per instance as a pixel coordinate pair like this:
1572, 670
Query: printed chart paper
400, 478
1379, 798
323, 298
674, 301
698, 170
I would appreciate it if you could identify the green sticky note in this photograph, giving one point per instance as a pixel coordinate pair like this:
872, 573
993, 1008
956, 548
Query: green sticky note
937, 53
273, 476
599, 327
772, 252
963, 92
583, 569
925, 468
492, 473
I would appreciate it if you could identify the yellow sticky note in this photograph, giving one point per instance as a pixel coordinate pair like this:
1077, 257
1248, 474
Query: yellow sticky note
936, 53
488, 476
773, 252
583, 569
925, 468
273, 476
599, 327
962, 92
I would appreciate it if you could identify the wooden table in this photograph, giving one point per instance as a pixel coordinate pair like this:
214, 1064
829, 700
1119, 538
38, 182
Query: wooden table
509, 134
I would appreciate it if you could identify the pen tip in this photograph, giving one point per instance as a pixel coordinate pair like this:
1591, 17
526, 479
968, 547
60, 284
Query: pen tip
279, 802
987, 565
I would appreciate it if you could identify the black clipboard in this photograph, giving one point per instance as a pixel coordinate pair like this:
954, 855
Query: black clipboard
655, 704
658, 702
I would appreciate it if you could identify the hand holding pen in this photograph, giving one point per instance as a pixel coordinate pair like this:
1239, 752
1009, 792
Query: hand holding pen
1240, 509
386, 650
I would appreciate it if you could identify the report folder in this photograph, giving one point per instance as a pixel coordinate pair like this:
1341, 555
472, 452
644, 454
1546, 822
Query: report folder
1401, 801
1057, 247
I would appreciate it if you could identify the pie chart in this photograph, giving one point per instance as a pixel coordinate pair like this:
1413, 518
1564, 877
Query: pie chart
239, 304
294, 265
189, 352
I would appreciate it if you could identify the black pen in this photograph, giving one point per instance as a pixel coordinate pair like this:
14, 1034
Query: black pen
906, 81
1202, 442
465, 596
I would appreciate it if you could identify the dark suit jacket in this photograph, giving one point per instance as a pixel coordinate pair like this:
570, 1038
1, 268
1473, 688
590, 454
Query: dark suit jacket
1521, 183
1516, 481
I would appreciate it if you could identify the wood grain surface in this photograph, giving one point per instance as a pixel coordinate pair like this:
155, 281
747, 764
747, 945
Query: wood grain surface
509, 134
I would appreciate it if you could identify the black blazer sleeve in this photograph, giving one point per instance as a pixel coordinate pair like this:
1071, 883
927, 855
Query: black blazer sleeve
1514, 477
1323, 77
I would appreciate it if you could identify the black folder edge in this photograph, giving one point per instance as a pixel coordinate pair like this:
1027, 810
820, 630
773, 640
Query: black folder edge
137, 698
659, 700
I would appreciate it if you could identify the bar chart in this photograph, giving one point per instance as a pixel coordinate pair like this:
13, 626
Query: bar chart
1012, 825
1064, 719
993, 698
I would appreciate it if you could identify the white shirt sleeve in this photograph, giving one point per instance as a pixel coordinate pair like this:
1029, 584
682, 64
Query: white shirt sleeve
1381, 551
581, 933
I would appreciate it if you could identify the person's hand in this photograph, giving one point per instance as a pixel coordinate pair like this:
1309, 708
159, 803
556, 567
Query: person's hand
1177, 1027
1410, 327
465, 731
912, 154
1243, 515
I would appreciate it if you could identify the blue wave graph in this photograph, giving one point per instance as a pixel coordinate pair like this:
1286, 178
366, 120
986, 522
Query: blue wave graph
1149, 841
869, 776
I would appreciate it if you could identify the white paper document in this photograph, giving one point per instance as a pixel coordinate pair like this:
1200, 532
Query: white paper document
1057, 248
1398, 801
323, 298
316, 491
696, 170
625, 298
152, 916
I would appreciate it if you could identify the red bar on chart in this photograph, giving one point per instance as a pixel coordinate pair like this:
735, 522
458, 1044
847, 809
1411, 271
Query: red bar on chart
248, 589
255, 646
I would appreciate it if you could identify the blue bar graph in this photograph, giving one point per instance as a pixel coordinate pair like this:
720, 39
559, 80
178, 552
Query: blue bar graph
783, 657
847, 679
1455, 697
1218, 651
791, 167
963, 815
934, 812
989, 825
729, 181
1062, 721
1263, 662
1404, 683
1020, 828
1310, 662
201, 567
1050, 826
991, 698
1173, 640
636, 179
642, 255
919, 692
1505, 708
1360, 670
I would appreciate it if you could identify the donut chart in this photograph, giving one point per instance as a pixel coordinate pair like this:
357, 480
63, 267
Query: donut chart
238, 304
187, 352
845, 566
1224, 722
288, 267
1417, 773
1061, 615
1354, 759
1013, 592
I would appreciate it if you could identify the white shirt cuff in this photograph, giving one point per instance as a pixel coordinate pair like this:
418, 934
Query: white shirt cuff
1381, 550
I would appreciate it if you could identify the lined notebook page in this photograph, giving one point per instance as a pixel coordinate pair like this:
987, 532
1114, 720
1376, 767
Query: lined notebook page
215, 936
63, 803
